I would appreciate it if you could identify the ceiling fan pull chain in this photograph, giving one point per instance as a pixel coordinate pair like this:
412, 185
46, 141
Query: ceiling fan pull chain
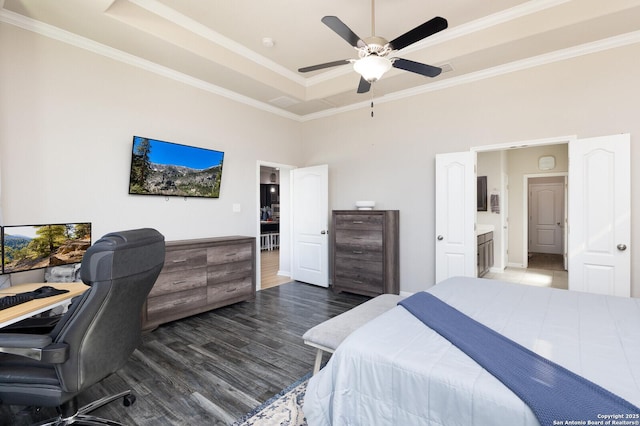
371, 102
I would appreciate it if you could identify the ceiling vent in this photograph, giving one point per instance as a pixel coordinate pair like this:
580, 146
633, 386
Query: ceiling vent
446, 67
283, 101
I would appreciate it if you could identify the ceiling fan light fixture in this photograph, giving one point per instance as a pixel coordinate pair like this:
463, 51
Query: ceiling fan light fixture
372, 68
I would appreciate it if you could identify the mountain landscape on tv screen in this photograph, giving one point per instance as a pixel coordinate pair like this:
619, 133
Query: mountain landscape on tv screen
166, 179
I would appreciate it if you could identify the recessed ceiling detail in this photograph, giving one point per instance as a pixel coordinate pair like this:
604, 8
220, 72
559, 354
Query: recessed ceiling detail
220, 49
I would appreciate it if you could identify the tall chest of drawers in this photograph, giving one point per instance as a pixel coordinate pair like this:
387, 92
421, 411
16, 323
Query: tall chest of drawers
200, 275
366, 251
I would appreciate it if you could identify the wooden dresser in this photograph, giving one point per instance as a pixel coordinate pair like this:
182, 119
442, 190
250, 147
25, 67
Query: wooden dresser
365, 251
200, 275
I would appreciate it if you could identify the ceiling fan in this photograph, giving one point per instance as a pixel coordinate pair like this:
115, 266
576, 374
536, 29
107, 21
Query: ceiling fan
373, 52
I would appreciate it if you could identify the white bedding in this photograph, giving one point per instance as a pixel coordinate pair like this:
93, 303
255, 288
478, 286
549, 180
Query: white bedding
396, 371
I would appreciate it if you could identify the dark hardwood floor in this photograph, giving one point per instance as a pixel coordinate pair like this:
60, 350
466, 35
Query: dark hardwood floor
212, 368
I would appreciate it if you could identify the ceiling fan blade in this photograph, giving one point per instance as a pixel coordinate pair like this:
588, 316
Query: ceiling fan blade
325, 65
417, 67
418, 33
364, 86
343, 31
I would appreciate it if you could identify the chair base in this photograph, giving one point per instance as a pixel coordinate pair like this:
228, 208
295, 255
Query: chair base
70, 415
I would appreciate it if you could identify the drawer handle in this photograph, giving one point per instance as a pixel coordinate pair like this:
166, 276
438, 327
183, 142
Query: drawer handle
179, 282
231, 290
358, 222
231, 254
180, 302
357, 252
179, 261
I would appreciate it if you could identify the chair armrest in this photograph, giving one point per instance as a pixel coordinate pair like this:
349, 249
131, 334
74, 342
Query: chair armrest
34, 346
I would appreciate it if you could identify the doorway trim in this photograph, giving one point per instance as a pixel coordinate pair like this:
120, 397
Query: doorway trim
525, 213
555, 140
285, 219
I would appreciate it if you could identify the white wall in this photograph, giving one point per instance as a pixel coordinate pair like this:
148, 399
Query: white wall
390, 158
67, 117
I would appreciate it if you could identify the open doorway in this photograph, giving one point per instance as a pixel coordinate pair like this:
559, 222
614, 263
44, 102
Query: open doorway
546, 220
273, 225
529, 231
598, 209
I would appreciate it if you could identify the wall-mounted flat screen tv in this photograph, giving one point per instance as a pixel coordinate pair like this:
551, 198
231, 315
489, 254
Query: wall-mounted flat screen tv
27, 247
171, 169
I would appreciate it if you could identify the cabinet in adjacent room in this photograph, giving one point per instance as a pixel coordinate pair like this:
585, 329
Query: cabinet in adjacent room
200, 275
366, 251
485, 253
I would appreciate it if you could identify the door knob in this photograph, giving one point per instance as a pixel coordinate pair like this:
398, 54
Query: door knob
440, 238
324, 232
622, 247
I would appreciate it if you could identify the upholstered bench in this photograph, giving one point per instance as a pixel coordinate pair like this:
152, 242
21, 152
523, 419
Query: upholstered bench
327, 335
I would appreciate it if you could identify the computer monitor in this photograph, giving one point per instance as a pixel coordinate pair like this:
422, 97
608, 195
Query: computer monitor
27, 247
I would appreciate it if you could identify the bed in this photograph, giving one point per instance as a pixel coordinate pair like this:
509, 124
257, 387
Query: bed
397, 371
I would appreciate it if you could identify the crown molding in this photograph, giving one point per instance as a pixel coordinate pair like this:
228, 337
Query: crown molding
67, 37
489, 21
207, 33
536, 61
118, 55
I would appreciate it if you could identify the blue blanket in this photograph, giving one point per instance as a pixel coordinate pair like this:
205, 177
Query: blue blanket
554, 394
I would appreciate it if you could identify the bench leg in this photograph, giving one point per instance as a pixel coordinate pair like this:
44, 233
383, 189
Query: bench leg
316, 366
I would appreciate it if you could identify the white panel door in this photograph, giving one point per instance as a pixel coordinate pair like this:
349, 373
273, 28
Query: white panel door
310, 219
600, 215
456, 191
546, 218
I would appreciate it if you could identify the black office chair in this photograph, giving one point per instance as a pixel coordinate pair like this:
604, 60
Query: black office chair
94, 338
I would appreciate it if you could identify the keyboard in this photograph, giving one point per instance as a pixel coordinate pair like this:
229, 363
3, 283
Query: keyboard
17, 299
11, 301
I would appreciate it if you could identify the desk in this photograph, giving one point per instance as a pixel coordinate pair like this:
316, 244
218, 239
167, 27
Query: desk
28, 309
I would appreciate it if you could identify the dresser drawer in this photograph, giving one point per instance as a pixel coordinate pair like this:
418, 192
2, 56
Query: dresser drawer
240, 288
181, 260
367, 238
359, 221
360, 286
229, 272
354, 268
178, 304
354, 254
180, 280
229, 253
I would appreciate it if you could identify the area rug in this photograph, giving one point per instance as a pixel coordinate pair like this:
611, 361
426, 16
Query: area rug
284, 409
